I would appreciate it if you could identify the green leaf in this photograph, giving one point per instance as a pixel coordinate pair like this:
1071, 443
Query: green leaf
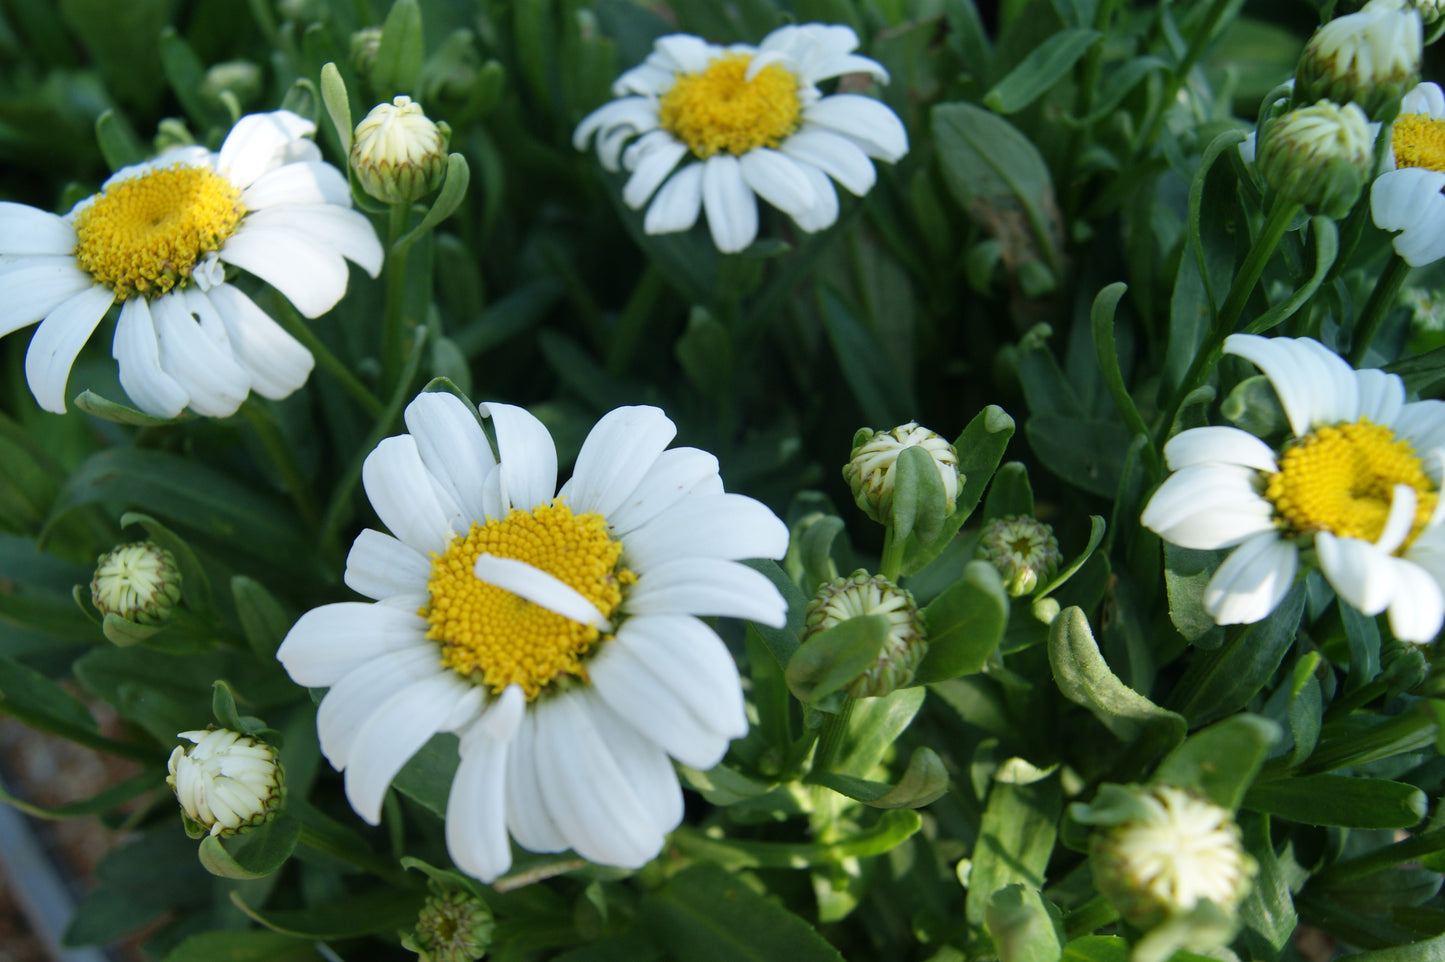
107, 410
30, 696
449, 198
381, 910
1049, 62
833, 658
1221, 761
965, 624
263, 620
427, 777
253, 854
705, 351
1086, 452
919, 501
874, 727
707, 915
187, 76
1010, 494
923, 783
1432, 950
1186, 574
1015, 839
1268, 911
1097, 948
980, 448
1025, 927
1096, 536
882, 392
103, 801
1086, 679
1340, 800
248, 946
782, 642
337, 103
118, 144
401, 51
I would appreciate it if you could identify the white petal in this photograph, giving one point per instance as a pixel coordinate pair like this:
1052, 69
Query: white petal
29, 230
1359, 572
504, 716
1422, 423
1400, 520
677, 204
1418, 606
1426, 98
619, 451
277, 363
848, 63
836, 156
540, 588
139, 357
1252, 580
644, 764
476, 823
329, 642
690, 54
526, 453
1314, 385
732, 208
645, 78
58, 340
651, 170
397, 730
404, 496
1218, 445
1409, 200
867, 122
824, 211
1208, 506
32, 287
1382, 396
779, 180
355, 698
316, 182
527, 817
676, 474
341, 229
215, 384
311, 276
258, 143
379, 566
728, 526
454, 449
630, 115
706, 586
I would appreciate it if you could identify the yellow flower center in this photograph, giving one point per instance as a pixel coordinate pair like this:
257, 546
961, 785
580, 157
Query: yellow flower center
145, 235
498, 638
1342, 479
1419, 141
720, 109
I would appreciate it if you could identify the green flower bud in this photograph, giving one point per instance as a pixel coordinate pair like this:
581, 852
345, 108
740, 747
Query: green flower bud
398, 154
860, 594
241, 78
1171, 852
1023, 549
1370, 58
364, 45
1318, 156
872, 465
1430, 10
225, 781
453, 926
138, 582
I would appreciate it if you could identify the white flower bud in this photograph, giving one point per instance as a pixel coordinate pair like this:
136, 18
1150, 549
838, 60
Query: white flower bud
858, 595
1318, 156
872, 466
398, 154
1370, 58
225, 781
138, 582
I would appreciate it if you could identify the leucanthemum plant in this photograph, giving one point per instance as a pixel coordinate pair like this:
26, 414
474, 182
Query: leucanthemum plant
157, 238
702, 127
557, 632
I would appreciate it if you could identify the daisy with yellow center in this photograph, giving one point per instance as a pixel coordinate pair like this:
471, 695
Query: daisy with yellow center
703, 127
155, 239
1356, 486
1408, 197
557, 632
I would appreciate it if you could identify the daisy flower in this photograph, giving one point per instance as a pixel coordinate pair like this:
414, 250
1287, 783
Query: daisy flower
705, 127
1406, 197
1356, 487
558, 633
155, 239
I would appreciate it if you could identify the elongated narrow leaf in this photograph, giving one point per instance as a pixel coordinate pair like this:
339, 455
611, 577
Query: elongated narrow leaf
1220, 761
1045, 66
1015, 840
1340, 800
380, 910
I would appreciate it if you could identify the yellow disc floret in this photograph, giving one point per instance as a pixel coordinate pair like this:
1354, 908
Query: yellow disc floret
144, 235
1419, 141
496, 637
1342, 479
720, 109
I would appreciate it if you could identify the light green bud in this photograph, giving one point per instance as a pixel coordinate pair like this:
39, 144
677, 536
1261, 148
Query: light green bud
241, 77
860, 594
139, 582
1023, 549
1318, 156
398, 154
453, 926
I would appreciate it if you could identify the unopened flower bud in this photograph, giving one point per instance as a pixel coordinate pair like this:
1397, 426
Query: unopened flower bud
138, 582
1318, 156
1430, 10
1170, 852
364, 45
860, 594
398, 154
453, 926
1023, 549
872, 467
241, 78
1370, 58
225, 781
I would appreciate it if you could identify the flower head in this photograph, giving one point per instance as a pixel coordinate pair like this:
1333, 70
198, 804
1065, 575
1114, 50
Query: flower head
453, 926
1175, 851
1318, 156
872, 467
860, 594
156, 239
558, 633
1407, 198
1369, 58
1355, 488
743, 122
225, 781
1023, 549
398, 154
138, 582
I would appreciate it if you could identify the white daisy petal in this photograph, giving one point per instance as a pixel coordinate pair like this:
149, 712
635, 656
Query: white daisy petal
728, 526
454, 449
617, 455
1218, 445
215, 384
1252, 581
676, 474
1409, 200
1422, 423
311, 277
327, 643
650, 170
676, 206
527, 817
476, 824
779, 180
526, 455
707, 586
1359, 572
633, 114
644, 765
32, 287
1208, 506
505, 715
540, 588
29, 230
380, 566
57, 341
354, 699
689, 53
865, 121
732, 208
138, 355
405, 497
300, 183
695, 665
824, 212
1314, 385
1382, 396
277, 363
835, 155
341, 229
1400, 520
258, 144
1418, 607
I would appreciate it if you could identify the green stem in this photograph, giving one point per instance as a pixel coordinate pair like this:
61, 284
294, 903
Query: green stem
334, 366
1408, 732
891, 563
366, 861
830, 740
1406, 850
267, 432
1275, 226
391, 324
1089, 917
1382, 298
1180, 75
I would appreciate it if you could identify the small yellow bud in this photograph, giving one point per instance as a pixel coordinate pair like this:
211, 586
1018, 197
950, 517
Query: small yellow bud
225, 781
398, 154
857, 595
138, 582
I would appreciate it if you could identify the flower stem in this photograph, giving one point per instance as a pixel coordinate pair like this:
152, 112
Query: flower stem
830, 740
891, 563
1382, 298
1089, 917
334, 366
391, 325
1177, 79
